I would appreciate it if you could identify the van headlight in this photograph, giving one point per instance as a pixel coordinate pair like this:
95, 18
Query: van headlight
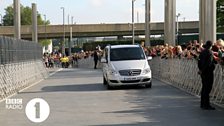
146, 71
112, 72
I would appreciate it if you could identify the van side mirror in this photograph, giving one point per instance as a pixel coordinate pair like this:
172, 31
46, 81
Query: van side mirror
149, 58
103, 60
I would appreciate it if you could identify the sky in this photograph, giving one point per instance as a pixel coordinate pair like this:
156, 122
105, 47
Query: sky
106, 11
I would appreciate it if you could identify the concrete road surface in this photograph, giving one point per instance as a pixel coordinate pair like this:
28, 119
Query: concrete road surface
77, 97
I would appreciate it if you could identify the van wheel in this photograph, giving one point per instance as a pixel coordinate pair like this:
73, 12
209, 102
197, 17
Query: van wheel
109, 87
104, 81
149, 85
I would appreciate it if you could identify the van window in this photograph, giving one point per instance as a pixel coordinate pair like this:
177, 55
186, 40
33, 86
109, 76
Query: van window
129, 53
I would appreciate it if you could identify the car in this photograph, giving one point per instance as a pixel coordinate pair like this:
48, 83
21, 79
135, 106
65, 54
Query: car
126, 65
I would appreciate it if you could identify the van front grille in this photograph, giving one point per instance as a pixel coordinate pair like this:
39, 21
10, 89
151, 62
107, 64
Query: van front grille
131, 72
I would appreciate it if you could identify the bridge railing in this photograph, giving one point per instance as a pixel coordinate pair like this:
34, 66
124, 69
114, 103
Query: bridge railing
20, 65
183, 73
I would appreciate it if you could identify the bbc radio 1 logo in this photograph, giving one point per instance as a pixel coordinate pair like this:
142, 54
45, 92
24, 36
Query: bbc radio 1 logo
37, 110
14, 104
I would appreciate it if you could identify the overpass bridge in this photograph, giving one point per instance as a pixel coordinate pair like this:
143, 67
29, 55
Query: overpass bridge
97, 30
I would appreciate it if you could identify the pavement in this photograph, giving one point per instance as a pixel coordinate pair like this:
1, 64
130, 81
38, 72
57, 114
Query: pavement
77, 97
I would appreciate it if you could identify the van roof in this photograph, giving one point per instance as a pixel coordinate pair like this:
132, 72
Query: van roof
122, 46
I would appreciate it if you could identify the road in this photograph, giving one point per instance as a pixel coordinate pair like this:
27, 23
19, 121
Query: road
77, 97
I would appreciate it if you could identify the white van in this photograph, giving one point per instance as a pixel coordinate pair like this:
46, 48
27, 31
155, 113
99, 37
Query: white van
126, 65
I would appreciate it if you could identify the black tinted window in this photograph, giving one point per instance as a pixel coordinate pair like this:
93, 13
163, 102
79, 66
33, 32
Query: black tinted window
133, 53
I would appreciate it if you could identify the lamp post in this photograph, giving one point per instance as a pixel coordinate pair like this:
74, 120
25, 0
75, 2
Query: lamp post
178, 15
45, 27
1, 20
72, 20
45, 32
184, 19
63, 43
147, 22
133, 22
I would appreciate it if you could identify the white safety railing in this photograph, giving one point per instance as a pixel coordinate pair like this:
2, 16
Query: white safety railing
183, 73
17, 76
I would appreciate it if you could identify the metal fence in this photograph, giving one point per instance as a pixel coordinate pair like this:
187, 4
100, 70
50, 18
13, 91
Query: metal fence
183, 73
14, 51
21, 65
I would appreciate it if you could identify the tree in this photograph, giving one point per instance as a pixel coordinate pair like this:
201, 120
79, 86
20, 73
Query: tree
26, 16
220, 15
45, 42
26, 19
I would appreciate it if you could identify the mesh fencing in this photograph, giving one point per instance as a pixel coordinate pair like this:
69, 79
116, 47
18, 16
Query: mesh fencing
14, 51
183, 73
21, 65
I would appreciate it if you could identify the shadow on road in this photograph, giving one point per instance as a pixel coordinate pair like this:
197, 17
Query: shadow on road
75, 87
82, 88
167, 106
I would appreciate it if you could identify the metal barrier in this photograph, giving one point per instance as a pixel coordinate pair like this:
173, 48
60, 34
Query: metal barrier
14, 51
20, 65
88, 63
183, 73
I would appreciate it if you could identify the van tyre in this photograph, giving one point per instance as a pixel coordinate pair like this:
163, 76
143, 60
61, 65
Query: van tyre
149, 85
109, 87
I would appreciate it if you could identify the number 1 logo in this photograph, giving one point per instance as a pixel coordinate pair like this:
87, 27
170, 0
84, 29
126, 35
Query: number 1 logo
37, 110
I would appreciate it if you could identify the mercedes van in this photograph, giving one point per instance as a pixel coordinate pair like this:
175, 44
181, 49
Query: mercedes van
126, 65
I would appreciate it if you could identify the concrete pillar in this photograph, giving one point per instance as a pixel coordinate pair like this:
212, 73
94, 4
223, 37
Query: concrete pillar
170, 20
147, 22
34, 23
207, 20
17, 19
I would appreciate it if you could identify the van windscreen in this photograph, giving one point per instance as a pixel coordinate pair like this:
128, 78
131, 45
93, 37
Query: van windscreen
129, 53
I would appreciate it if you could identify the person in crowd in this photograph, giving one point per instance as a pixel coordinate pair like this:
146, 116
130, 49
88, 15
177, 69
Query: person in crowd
51, 61
64, 61
179, 51
206, 65
46, 60
96, 58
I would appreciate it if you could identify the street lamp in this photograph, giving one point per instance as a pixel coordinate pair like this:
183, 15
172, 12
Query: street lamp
63, 43
133, 22
45, 31
72, 20
1, 20
178, 15
45, 27
184, 19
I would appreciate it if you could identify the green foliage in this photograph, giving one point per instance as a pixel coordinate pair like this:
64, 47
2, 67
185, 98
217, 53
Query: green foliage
220, 15
45, 42
26, 16
8, 17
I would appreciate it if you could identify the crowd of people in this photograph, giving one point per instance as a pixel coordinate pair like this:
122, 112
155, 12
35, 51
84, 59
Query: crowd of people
57, 59
190, 50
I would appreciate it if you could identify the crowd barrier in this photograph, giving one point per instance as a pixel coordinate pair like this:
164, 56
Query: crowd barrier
88, 63
20, 65
16, 50
183, 73
17, 76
